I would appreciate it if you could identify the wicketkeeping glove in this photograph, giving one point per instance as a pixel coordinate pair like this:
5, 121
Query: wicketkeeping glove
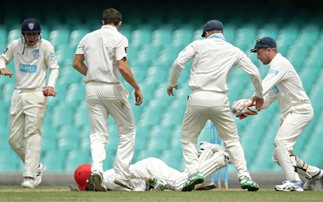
243, 108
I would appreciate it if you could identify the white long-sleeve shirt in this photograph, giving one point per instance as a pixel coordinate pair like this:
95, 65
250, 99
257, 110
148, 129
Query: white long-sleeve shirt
213, 59
31, 63
283, 83
101, 49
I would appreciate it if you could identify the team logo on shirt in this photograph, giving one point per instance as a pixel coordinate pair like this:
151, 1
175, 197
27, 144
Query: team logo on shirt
52, 55
36, 54
4, 51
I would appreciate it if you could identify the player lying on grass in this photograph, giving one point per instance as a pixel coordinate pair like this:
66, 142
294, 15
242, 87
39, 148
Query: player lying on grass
153, 174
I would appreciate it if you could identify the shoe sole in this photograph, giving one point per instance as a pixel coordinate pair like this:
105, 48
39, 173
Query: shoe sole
287, 190
97, 182
250, 188
191, 185
123, 185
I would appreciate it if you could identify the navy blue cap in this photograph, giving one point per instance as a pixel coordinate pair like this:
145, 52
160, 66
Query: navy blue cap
30, 25
265, 42
212, 25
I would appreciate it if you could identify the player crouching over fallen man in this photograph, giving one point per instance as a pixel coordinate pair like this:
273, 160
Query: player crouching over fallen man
152, 174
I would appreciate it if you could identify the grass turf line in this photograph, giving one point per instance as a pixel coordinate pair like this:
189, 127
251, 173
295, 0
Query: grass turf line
63, 193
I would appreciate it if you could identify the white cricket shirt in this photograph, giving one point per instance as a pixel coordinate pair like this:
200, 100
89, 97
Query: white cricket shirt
101, 49
282, 82
31, 63
213, 59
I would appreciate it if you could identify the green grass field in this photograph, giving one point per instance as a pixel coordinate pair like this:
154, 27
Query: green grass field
62, 194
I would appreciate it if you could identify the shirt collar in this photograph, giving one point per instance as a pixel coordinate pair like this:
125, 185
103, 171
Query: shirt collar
109, 27
216, 36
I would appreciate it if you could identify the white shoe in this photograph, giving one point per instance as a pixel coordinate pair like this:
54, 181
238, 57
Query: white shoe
97, 181
310, 183
28, 183
289, 186
40, 171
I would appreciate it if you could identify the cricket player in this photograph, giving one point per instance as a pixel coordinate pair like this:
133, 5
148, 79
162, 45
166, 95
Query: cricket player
283, 83
153, 173
32, 57
100, 56
213, 58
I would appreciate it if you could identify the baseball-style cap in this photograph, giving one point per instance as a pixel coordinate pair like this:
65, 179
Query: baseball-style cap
265, 42
212, 25
81, 175
30, 25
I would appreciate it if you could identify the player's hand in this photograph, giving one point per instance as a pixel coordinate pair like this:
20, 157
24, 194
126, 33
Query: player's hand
138, 96
49, 91
5, 72
170, 90
258, 102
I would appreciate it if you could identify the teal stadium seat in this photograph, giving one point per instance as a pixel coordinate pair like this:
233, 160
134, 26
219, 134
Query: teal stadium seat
162, 36
13, 35
182, 37
3, 38
126, 31
76, 158
141, 36
76, 36
55, 160
64, 52
60, 35
9, 162
245, 37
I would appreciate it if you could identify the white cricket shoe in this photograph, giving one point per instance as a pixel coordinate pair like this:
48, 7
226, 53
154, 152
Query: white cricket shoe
97, 181
310, 183
289, 186
28, 183
40, 171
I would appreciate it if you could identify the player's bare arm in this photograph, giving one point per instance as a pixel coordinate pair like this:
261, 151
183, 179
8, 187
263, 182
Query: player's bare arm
258, 102
5, 72
170, 90
128, 76
78, 64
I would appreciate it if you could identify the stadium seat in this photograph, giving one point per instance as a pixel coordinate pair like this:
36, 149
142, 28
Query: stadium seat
59, 36
13, 35
76, 36
55, 160
76, 158
3, 37
182, 37
141, 36
9, 162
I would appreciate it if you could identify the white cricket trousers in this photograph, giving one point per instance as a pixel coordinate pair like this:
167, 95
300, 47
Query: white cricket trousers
104, 100
292, 124
196, 115
27, 112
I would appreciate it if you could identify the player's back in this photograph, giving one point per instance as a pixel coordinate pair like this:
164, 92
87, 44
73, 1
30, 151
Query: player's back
100, 48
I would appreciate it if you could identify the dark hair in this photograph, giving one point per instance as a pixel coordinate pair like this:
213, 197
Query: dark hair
111, 16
